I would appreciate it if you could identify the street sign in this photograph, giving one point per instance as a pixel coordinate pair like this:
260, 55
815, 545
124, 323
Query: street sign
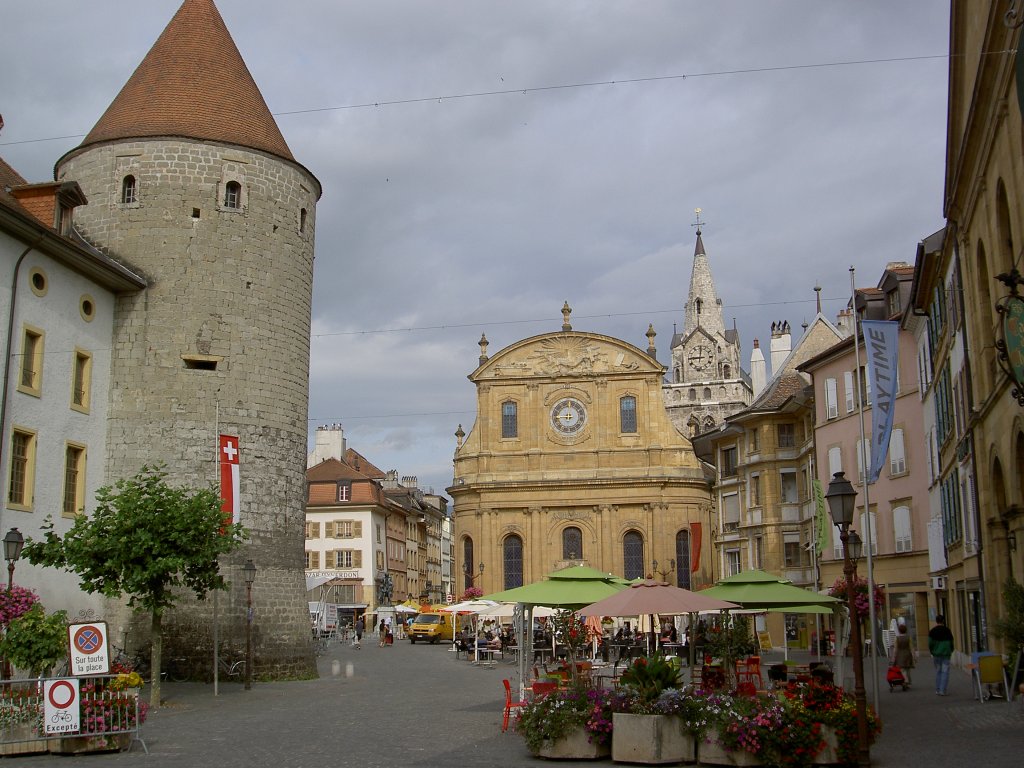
88, 648
61, 711
449, 598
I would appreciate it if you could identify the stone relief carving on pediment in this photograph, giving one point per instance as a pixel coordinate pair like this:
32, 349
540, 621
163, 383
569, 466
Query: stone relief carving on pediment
572, 355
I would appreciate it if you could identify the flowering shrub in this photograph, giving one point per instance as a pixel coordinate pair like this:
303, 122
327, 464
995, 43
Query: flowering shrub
125, 680
860, 595
34, 641
15, 602
107, 710
571, 631
19, 706
833, 706
471, 593
559, 713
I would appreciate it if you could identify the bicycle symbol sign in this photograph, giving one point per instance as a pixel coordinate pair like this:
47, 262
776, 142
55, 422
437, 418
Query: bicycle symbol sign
61, 713
88, 639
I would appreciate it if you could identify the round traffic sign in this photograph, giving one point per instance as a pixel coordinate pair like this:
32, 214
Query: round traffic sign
61, 694
88, 639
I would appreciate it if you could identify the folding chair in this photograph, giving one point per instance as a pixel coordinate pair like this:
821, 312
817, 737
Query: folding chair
509, 705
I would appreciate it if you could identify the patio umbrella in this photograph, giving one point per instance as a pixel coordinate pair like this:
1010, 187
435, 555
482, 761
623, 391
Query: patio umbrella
649, 596
507, 610
757, 589
470, 607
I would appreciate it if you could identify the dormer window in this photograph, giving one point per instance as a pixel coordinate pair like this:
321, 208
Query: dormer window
129, 190
233, 195
64, 218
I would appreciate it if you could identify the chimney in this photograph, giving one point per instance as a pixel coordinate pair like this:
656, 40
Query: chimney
782, 345
330, 444
757, 369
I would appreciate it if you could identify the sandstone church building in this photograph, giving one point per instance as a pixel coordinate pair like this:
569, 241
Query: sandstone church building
186, 185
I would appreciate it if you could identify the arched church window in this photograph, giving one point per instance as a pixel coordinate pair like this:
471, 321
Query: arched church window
697, 303
468, 566
683, 559
709, 424
232, 195
633, 555
692, 393
512, 555
129, 190
707, 393
572, 543
509, 419
694, 426
627, 414
678, 374
726, 371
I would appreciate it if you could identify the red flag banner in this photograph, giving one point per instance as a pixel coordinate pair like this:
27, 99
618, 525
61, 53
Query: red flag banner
228, 458
695, 536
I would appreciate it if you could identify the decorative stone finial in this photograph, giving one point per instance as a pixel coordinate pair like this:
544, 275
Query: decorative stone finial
566, 311
817, 291
459, 435
483, 348
651, 351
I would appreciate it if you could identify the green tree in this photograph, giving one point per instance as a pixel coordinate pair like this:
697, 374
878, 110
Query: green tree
147, 540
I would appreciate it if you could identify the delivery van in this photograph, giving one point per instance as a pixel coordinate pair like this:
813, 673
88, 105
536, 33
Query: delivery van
431, 627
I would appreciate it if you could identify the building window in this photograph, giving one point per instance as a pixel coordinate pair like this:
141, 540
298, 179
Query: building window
707, 393
730, 511
81, 378
312, 530
692, 394
759, 551
344, 529
30, 380
835, 460
302, 220
755, 440
874, 531
345, 558
572, 543
129, 190
901, 529
851, 399
512, 554
627, 414
729, 462
344, 491
863, 458
312, 560
732, 562
37, 282
23, 463
683, 559
633, 556
468, 566
754, 495
233, 195
892, 302
74, 480
787, 435
509, 420
790, 491
897, 453
792, 551
831, 402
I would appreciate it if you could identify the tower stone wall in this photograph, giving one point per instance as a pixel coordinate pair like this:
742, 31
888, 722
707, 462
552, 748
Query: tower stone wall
217, 343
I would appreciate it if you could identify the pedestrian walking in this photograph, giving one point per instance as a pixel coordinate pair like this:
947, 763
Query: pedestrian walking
940, 646
382, 632
903, 653
358, 639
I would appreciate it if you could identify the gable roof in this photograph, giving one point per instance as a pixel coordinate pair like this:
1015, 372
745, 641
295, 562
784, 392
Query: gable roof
355, 459
332, 469
192, 83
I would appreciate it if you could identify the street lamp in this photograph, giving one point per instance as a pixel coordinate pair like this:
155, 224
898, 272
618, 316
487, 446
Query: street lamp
249, 572
663, 572
841, 497
13, 542
469, 573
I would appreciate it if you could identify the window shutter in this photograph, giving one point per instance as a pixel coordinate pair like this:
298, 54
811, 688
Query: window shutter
329, 530
330, 559
731, 508
357, 529
831, 406
837, 544
897, 453
901, 529
848, 384
835, 460
357, 558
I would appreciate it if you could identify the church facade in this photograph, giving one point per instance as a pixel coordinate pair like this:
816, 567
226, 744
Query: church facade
573, 459
706, 381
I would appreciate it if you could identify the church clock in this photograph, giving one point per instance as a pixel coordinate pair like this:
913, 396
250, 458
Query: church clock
568, 416
700, 357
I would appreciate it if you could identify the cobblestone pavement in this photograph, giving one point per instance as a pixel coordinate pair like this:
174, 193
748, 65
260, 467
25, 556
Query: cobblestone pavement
417, 705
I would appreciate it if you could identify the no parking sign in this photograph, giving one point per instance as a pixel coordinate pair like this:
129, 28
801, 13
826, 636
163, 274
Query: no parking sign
60, 708
88, 646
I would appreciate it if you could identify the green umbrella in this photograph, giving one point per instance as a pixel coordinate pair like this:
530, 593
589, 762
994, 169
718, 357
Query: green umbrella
558, 593
757, 589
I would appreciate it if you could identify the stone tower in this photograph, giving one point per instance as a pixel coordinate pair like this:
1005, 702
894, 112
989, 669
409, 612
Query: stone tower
190, 181
706, 382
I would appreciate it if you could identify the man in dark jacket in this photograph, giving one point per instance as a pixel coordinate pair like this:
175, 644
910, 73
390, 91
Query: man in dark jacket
940, 646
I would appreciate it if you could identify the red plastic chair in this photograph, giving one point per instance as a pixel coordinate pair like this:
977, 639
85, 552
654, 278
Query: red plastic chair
543, 689
749, 671
509, 705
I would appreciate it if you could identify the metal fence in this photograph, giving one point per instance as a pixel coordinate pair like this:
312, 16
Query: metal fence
109, 716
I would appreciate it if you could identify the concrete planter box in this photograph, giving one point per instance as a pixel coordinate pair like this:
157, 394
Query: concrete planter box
573, 746
829, 754
651, 739
23, 739
711, 752
100, 742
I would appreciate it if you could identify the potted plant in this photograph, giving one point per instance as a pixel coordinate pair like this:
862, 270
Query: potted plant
111, 714
571, 723
34, 641
646, 727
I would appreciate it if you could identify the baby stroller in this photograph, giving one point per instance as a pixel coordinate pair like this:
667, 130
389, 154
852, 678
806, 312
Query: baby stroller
894, 676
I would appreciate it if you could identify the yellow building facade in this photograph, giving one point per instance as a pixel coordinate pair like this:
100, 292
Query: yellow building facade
573, 459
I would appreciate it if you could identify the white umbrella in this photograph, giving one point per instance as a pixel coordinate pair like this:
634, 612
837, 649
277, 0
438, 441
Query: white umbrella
405, 609
507, 610
474, 607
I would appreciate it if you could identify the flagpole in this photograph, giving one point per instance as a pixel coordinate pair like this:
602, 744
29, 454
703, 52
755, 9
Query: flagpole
216, 468
867, 503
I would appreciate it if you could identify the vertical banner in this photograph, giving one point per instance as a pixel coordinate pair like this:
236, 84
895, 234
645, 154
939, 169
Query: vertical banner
821, 518
695, 536
881, 341
228, 458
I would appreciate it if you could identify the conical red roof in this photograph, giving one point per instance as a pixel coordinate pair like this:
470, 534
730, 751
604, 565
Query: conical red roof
193, 83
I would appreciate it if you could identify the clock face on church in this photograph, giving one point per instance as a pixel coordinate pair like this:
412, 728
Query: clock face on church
568, 416
700, 357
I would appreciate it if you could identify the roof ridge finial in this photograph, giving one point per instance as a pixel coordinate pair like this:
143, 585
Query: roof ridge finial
566, 311
817, 291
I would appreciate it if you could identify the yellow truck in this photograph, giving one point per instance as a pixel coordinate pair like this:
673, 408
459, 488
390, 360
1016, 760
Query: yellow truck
432, 627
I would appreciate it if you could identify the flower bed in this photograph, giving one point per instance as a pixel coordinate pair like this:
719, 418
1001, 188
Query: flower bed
556, 715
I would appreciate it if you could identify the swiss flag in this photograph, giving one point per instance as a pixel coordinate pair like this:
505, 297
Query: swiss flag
228, 458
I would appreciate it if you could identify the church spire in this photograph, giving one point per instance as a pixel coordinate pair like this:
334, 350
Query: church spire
703, 307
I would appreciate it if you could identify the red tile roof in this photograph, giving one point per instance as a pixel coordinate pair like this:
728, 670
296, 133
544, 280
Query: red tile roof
193, 83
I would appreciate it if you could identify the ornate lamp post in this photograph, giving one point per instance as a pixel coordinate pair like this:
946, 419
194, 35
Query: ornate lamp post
663, 572
470, 575
841, 497
13, 543
249, 572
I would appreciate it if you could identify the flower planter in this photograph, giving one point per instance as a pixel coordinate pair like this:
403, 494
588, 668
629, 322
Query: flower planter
711, 752
100, 742
829, 754
573, 746
22, 739
651, 739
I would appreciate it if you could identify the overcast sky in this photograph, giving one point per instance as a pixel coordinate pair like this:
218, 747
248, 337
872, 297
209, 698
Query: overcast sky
453, 214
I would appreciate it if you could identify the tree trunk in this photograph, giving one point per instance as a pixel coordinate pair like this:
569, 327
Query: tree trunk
156, 634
